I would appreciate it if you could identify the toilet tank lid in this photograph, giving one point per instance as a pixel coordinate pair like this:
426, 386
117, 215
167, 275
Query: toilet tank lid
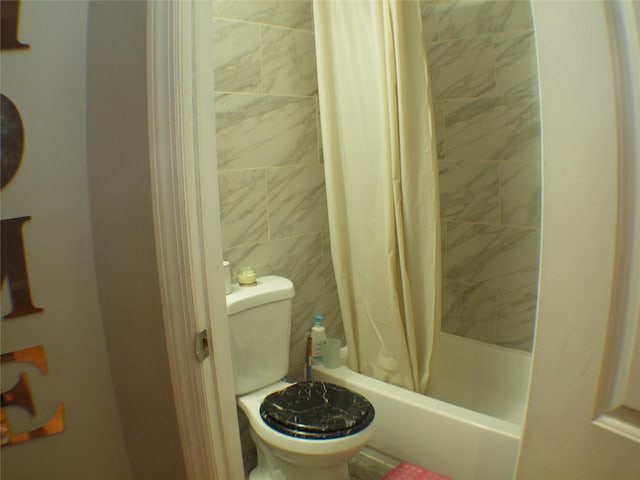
270, 288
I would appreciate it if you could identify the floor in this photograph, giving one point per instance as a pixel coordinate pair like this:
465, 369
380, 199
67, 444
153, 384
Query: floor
370, 464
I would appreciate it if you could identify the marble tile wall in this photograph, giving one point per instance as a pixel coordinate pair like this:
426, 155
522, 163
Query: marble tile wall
272, 195
273, 206
271, 179
482, 64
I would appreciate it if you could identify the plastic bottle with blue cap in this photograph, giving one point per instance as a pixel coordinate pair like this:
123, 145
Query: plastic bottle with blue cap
318, 340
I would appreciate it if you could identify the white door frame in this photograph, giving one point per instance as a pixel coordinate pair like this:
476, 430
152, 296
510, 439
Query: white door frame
188, 241
618, 406
578, 424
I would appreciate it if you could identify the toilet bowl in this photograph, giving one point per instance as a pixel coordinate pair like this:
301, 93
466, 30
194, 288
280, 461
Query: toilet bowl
285, 456
304, 430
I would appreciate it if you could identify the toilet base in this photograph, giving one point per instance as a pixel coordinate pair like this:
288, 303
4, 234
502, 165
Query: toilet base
271, 466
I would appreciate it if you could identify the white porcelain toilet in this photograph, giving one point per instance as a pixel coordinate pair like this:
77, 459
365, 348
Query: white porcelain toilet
302, 431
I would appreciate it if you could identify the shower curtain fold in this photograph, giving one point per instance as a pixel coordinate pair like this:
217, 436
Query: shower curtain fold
381, 178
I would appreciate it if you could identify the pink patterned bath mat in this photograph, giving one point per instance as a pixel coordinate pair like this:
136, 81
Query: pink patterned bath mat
407, 471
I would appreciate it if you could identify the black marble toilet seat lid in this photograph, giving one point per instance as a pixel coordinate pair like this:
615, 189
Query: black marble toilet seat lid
316, 410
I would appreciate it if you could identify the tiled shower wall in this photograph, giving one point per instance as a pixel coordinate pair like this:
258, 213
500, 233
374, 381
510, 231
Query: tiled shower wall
272, 197
482, 64
271, 178
273, 205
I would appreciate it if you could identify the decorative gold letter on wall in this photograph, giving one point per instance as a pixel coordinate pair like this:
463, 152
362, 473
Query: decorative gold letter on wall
13, 260
14, 268
10, 14
12, 139
20, 396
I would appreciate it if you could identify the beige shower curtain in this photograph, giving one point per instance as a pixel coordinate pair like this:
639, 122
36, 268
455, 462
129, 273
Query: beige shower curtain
381, 177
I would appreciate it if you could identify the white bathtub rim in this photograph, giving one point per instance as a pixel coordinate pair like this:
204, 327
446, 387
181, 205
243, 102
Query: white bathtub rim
461, 443
445, 409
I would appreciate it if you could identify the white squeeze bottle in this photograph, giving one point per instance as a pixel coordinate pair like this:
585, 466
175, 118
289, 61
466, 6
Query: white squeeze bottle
318, 340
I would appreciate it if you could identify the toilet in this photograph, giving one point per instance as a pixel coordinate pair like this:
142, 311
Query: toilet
305, 430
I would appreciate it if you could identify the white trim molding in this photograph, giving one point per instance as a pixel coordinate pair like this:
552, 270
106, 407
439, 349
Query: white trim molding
618, 406
186, 216
583, 246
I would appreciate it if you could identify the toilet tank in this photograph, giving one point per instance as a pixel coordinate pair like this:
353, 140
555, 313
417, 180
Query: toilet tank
260, 328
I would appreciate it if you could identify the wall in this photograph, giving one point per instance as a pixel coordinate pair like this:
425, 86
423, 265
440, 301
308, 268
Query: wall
47, 83
482, 65
272, 197
271, 178
124, 240
273, 207
90, 249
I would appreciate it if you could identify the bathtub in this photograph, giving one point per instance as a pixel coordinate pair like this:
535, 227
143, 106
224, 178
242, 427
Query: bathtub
472, 430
